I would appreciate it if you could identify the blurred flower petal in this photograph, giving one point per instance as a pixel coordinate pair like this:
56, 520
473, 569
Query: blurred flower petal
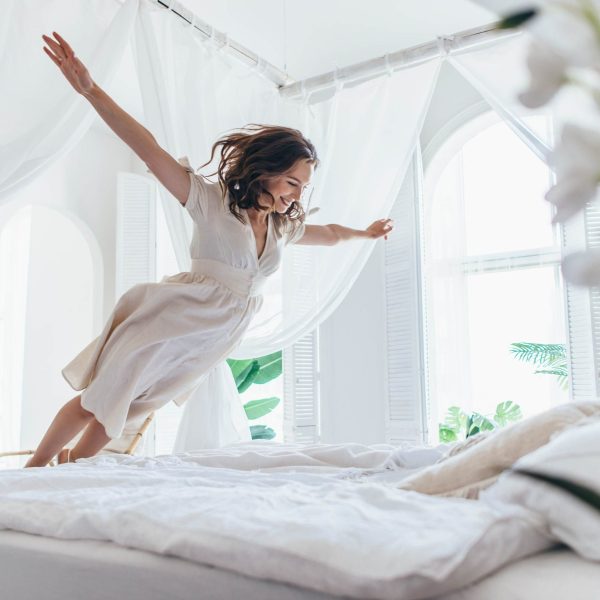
547, 73
563, 27
576, 161
582, 268
569, 196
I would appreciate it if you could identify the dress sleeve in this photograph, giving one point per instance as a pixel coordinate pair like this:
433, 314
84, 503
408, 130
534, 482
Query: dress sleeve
296, 234
197, 202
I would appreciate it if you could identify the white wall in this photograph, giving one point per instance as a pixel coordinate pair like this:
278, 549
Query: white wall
352, 349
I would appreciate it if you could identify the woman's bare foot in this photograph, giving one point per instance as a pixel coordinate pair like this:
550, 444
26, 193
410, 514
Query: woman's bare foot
64, 456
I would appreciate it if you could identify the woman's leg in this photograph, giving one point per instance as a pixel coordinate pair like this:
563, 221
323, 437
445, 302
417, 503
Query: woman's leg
69, 421
94, 438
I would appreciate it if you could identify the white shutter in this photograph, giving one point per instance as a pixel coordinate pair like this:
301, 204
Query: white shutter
583, 309
300, 361
406, 418
136, 231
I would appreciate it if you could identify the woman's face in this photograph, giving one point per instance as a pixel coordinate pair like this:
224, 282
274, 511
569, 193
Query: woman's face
288, 187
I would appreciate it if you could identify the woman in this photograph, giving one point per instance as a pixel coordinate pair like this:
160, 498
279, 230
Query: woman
163, 337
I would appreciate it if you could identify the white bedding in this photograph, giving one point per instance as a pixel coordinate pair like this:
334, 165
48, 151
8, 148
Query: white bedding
311, 516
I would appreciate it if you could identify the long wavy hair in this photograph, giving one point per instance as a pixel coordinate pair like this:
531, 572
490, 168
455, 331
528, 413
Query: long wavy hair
250, 156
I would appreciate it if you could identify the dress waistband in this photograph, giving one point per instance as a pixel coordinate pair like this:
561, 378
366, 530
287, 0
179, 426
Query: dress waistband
244, 282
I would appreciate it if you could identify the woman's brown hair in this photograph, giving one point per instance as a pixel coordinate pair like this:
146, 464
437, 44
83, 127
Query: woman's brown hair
253, 154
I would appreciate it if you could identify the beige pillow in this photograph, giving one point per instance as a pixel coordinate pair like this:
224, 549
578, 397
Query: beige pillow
473, 466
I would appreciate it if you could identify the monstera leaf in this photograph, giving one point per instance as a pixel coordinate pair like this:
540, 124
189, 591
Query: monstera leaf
507, 412
458, 424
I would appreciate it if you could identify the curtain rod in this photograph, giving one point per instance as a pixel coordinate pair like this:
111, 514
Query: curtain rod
268, 70
356, 73
402, 59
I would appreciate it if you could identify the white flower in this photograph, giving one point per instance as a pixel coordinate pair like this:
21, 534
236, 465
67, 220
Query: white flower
571, 29
547, 73
576, 161
582, 268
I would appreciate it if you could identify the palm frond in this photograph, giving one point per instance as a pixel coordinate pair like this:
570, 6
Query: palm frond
539, 354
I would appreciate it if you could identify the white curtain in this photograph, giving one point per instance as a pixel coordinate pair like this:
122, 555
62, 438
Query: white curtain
193, 93
364, 134
42, 117
498, 71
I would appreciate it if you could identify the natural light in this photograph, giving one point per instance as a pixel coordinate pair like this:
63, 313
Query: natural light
491, 273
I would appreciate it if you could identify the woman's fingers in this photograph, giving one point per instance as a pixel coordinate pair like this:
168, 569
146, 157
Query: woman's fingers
56, 61
68, 50
55, 47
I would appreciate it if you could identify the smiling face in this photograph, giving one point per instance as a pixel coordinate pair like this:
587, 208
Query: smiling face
288, 187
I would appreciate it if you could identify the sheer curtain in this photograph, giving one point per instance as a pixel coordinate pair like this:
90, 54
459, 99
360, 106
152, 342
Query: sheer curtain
364, 134
498, 71
42, 116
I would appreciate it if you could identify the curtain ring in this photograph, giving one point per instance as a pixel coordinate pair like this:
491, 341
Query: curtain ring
225, 42
337, 80
193, 21
260, 66
210, 37
389, 69
170, 6
303, 92
444, 43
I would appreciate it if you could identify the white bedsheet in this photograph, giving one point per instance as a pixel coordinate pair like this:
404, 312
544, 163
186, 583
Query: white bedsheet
303, 515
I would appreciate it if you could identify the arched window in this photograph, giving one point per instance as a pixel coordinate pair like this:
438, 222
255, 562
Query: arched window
491, 272
50, 298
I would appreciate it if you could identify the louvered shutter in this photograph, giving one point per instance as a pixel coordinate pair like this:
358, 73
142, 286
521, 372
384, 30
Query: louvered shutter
135, 254
136, 231
583, 309
300, 361
406, 418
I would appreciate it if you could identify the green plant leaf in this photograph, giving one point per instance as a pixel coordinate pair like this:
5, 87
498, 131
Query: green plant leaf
517, 19
590, 497
237, 366
259, 408
250, 375
262, 432
539, 354
507, 412
456, 419
446, 434
270, 367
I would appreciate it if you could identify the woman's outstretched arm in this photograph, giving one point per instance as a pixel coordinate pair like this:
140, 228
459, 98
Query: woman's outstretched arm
167, 170
329, 235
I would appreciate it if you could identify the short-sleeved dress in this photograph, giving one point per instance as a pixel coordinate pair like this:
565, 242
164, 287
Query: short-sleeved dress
163, 338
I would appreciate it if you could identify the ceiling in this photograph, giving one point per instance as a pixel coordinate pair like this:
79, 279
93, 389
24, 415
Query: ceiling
312, 37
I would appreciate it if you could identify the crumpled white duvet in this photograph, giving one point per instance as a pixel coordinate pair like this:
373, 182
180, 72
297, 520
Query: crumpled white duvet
307, 515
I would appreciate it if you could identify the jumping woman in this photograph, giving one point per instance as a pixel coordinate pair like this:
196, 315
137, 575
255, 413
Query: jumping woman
162, 338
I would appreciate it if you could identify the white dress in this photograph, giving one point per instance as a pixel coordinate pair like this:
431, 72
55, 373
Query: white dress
163, 338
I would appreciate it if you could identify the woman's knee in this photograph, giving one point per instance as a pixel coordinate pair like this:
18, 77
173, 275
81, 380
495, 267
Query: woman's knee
75, 405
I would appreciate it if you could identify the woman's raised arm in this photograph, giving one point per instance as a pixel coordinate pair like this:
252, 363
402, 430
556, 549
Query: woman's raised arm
167, 170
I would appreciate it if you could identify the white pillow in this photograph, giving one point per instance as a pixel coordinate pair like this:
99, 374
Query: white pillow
575, 456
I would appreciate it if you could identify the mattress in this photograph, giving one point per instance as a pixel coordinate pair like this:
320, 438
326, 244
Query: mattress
34, 567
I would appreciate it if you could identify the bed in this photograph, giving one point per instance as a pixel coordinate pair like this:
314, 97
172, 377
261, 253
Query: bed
97, 570
282, 521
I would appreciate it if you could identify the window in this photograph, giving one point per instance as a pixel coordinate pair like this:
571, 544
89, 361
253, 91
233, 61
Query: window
491, 272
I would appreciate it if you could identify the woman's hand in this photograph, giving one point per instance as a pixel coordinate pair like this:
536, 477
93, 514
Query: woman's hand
71, 67
379, 228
